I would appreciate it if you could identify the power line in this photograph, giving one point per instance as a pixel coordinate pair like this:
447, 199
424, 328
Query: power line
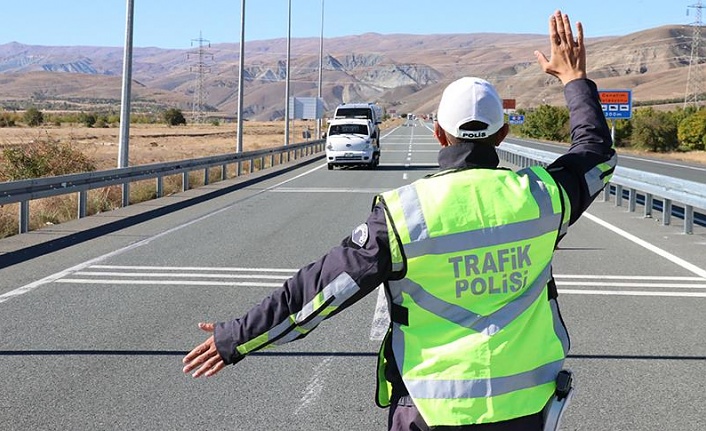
694, 79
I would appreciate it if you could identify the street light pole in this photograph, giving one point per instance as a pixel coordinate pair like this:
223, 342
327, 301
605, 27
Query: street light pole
286, 86
241, 68
125, 99
321, 71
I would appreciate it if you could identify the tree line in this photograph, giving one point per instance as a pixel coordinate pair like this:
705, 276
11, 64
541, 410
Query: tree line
682, 129
33, 117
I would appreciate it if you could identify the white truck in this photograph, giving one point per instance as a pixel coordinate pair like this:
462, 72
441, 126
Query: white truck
368, 111
352, 142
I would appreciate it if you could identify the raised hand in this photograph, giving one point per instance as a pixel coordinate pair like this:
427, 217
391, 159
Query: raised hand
568, 55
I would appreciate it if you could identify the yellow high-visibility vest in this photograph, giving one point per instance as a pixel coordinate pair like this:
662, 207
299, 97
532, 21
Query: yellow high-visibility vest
474, 333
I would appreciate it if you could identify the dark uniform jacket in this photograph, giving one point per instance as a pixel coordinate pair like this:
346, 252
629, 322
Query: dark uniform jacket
369, 265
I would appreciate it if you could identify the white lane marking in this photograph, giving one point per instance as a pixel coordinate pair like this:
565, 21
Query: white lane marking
389, 133
632, 293
163, 274
168, 282
36, 284
651, 247
316, 384
647, 285
660, 162
628, 277
405, 176
193, 268
323, 190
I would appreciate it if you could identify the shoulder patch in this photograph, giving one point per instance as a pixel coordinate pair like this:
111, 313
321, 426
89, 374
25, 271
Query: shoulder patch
360, 235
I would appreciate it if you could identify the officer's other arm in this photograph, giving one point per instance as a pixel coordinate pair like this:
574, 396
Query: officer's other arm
589, 163
316, 292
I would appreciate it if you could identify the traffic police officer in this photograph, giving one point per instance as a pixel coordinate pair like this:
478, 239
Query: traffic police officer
476, 340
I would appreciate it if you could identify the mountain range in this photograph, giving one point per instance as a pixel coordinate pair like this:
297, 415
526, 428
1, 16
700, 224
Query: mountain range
401, 72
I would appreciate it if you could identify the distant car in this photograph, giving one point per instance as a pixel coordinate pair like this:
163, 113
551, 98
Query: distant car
352, 142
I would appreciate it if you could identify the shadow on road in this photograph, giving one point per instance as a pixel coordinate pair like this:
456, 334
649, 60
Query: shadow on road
304, 354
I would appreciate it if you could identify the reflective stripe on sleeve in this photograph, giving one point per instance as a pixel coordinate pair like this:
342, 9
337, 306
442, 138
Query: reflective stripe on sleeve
325, 303
313, 313
599, 176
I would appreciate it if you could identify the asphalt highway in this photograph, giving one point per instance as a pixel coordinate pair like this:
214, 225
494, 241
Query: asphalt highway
92, 336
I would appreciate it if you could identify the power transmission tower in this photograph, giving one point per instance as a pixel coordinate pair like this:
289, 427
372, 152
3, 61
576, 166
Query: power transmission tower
201, 68
694, 79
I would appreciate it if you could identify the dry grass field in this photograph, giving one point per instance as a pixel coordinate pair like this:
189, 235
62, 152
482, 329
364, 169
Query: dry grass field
158, 143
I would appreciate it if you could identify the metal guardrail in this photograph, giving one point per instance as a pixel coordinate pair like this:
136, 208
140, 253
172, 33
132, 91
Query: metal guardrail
637, 185
24, 191
655, 191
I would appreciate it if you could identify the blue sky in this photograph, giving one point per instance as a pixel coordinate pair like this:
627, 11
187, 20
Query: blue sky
175, 23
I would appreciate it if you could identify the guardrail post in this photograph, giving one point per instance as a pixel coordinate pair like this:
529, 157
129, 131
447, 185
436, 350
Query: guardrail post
126, 194
606, 193
224, 172
648, 205
272, 160
185, 181
24, 217
262, 162
632, 202
206, 173
618, 195
688, 219
239, 168
82, 203
159, 187
666, 212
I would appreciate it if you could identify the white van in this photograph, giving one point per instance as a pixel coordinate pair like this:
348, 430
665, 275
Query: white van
351, 141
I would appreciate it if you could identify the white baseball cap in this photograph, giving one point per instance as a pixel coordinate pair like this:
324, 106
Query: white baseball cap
470, 99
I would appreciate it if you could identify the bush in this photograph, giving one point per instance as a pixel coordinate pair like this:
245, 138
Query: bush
43, 159
7, 120
174, 117
88, 120
692, 131
654, 130
547, 122
33, 117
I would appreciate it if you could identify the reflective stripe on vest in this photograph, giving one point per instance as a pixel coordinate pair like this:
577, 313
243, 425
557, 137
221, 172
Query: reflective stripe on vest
452, 393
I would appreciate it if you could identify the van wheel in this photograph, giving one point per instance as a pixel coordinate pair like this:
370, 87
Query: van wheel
330, 166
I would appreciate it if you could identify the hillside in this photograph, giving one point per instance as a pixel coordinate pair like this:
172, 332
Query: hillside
403, 73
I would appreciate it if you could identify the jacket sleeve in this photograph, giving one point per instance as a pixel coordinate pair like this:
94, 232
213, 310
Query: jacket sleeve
316, 292
589, 163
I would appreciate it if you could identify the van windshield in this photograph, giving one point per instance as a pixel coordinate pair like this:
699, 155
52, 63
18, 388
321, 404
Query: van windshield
340, 129
366, 113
